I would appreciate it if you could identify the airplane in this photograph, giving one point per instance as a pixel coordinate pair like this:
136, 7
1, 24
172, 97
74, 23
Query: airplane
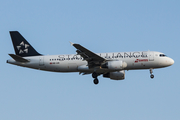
110, 65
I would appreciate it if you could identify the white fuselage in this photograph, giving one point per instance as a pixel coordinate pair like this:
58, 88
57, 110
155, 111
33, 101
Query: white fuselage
75, 63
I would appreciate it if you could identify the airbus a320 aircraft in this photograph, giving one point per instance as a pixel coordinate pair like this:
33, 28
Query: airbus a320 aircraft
110, 65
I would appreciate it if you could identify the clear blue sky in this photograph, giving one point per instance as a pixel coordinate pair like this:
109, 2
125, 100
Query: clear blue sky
101, 26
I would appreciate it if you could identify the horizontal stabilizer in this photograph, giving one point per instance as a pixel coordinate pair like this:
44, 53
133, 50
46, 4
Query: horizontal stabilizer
18, 58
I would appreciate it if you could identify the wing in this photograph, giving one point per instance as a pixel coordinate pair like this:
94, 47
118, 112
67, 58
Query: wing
92, 58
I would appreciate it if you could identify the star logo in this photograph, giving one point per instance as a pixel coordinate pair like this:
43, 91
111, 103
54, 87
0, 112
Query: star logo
23, 48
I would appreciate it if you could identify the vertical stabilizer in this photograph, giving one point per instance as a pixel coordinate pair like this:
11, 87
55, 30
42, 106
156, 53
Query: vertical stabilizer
21, 46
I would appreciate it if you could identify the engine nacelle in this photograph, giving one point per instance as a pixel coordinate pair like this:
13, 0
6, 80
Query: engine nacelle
119, 75
114, 65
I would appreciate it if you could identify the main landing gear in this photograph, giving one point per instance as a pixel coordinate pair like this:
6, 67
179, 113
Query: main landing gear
151, 72
95, 75
96, 81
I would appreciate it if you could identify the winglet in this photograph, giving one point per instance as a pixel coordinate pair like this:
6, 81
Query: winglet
71, 43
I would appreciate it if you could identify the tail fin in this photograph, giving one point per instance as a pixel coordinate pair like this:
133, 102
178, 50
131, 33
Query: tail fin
21, 46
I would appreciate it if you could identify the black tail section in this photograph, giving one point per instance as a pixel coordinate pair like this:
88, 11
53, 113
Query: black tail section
21, 46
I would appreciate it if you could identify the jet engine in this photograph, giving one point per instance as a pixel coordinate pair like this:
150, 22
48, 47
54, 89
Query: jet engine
114, 65
119, 75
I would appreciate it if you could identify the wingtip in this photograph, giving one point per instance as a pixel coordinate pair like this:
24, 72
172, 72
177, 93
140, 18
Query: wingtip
71, 43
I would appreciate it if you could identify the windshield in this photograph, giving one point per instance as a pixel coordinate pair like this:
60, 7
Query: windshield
162, 55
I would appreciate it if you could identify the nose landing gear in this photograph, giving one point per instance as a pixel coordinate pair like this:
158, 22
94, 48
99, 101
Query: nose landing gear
151, 72
95, 75
152, 76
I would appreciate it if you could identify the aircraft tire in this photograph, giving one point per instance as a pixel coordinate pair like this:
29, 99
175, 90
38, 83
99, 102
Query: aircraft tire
96, 81
152, 76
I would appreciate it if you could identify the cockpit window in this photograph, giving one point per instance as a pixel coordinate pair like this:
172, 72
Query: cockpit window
162, 55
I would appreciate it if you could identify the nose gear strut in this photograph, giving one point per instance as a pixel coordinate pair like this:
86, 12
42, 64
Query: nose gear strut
151, 72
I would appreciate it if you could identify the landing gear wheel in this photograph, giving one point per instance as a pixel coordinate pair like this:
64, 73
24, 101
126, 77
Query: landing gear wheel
152, 76
151, 72
96, 81
94, 75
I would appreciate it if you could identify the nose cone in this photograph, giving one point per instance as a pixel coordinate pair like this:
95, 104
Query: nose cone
171, 61
166, 61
